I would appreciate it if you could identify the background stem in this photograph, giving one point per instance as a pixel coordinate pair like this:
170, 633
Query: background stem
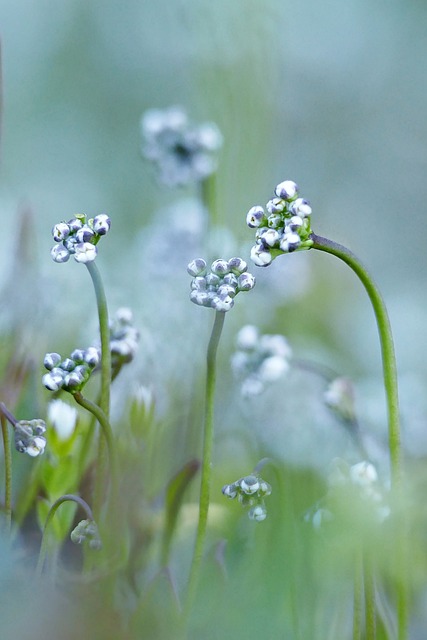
7, 472
205, 483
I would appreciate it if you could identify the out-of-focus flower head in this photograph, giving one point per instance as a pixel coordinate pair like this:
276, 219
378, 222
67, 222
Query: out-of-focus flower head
29, 437
86, 531
78, 237
218, 287
62, 417
250, 492
182, 152
284, 226
124, 337
259, 359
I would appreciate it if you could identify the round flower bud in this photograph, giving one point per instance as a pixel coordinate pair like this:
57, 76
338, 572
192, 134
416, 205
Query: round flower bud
101, 224
212, 280
272, 368
286, 190
124, 315
260, 256
258, 513
225, 290
270, 237
255, 217
85, 252
290, 242
246, 282
85, 234
74, 380
91, 356
264, 488
363, 474
301, 207
60, 231
51, 360
275, 221
249, 485
247, 338
35, 446
223, 304
53, 381
68, 364
202, 298
70, 243
75, 224
237, 266
276, 205
78, 355
197, 267
294, 224
199, 283
220, 267
230, 279
276, 345
230, 490
59, 253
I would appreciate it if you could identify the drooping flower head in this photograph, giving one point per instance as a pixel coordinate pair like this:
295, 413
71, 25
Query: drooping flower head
29, 437
250, 492
218, 286
182, 152
70, 374
282, 227
79, 237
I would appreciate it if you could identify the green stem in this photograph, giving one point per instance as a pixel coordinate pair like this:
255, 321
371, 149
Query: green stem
392, 399
205, 482
66, 498
370, 609
7, 468
357, 597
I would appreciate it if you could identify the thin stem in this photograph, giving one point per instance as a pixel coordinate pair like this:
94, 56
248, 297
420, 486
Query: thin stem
7, 469
357, 597
387, 348
392, 400
370, 609
66, 498
205, 482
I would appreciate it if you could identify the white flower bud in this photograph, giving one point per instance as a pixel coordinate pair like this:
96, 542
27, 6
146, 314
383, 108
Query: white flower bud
60, 231
85, 252
301, 207
199, 283
225, 290
63, 418
78, 355
294, 224
230, 279
275, 222
101, 224
220, 267
270, 237
255, 217
237, 266
276, 205
75, 224
276, 345
249, 485
124, 315
92, 356
246, 282
212, 280
363, 474
51, 360
202, 298
59, 253
286, 190
260, 257
248, 337
258, 513
85, 234
53, 381
197, 267
290, 242
230, 490
272, 368
36, 446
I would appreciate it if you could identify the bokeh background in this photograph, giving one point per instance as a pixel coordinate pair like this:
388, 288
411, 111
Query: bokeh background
332, 95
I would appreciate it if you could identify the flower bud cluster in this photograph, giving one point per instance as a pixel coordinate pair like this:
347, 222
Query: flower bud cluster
87, 531
183, 153
259, 359
70, 374
79, 237
29, 437
250, 492
283, 227
217, 287
124, 337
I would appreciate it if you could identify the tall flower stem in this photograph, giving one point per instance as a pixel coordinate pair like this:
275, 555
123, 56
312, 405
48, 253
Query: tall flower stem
66, 498
392, 400
4, 416
104, 400
205, 483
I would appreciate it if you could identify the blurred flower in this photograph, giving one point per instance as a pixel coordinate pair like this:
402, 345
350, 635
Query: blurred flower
87, 531
62, 417
259, 360
29, 437
79, 237
218, 287
250, 492
124, 337
284, 226
182, 152
339, 396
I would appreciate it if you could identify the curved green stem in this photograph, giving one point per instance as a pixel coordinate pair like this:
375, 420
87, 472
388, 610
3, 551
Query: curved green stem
392, 399
387, 348
104, 331
7, 468
205, 483
65, 498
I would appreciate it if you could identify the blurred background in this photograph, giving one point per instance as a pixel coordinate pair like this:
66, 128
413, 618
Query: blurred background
332, 95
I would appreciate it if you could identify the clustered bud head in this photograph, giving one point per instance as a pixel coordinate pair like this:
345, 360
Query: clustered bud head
79, 237
284, 226
29, 437
182, 152
250, 492
87, 531
124, 337
70, 374
217, 287
259, 359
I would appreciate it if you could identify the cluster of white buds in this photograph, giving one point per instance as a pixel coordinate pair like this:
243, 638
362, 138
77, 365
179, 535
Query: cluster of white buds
283, 227
72, 373
87, 531
218, 287
79, 237
259, 359
182, 152
250, 492
29, 437
124, 337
